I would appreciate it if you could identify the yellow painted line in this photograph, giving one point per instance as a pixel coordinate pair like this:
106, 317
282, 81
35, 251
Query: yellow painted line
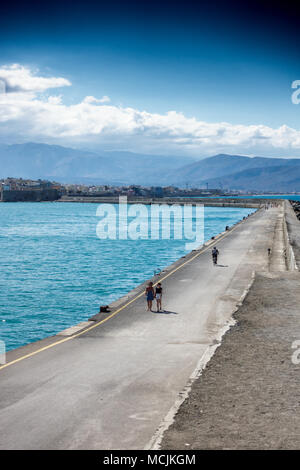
121, 308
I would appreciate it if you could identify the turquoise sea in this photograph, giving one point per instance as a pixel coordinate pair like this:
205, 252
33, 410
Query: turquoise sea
55, 271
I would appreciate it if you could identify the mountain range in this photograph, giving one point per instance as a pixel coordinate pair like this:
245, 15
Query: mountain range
240, 173
236, 172
54, 162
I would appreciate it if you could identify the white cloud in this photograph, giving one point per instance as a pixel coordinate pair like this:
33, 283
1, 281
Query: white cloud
55, 99
26, 114
19, 78
92, 99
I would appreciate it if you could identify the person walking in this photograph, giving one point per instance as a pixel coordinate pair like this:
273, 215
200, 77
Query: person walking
269, 252
215, 253
158, 296
149, 293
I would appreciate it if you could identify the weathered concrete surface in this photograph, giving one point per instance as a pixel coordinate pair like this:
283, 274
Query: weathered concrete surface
248, 395
111, 386
278, 261
293, 226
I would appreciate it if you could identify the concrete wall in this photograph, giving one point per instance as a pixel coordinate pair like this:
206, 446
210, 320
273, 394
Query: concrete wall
291, 234
31, 195
215, 202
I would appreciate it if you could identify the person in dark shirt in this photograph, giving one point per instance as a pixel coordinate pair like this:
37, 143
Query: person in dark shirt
214, 254
158, 296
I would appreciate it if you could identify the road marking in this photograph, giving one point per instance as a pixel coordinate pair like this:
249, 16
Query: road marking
126, 305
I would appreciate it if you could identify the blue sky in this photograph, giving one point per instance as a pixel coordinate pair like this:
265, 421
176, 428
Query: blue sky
214, 63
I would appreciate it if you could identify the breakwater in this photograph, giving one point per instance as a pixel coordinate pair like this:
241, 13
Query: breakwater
35, 195
186, 334
57, 271
214, 202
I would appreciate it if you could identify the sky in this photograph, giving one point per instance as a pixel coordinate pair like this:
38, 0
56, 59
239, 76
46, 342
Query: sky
184, 78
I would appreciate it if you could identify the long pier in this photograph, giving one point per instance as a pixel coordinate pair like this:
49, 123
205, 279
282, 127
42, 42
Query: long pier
210, 202
116, 381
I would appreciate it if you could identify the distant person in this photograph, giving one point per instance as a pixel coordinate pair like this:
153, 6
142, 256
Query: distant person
215, 253
158, 296
149, 292
269, 251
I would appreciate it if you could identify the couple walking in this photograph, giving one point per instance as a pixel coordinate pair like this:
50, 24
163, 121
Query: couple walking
152, 294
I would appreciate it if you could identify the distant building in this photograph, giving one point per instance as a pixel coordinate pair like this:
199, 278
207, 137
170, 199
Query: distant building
157, 191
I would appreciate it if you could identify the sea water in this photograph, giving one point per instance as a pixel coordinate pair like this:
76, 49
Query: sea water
55, 271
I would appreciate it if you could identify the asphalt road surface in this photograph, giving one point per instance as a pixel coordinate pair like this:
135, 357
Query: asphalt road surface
111, 386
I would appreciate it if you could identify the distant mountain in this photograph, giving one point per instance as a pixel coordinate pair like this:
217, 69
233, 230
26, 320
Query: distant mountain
278, 178
207, 170
68, 165
32, 160
239, 173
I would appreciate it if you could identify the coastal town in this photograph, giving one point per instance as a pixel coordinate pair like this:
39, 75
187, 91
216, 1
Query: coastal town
19, 189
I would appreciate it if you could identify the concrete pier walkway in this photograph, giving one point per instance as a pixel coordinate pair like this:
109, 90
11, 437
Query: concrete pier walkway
111, 386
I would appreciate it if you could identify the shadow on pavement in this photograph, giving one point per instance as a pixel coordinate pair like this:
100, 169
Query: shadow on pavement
165, 312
